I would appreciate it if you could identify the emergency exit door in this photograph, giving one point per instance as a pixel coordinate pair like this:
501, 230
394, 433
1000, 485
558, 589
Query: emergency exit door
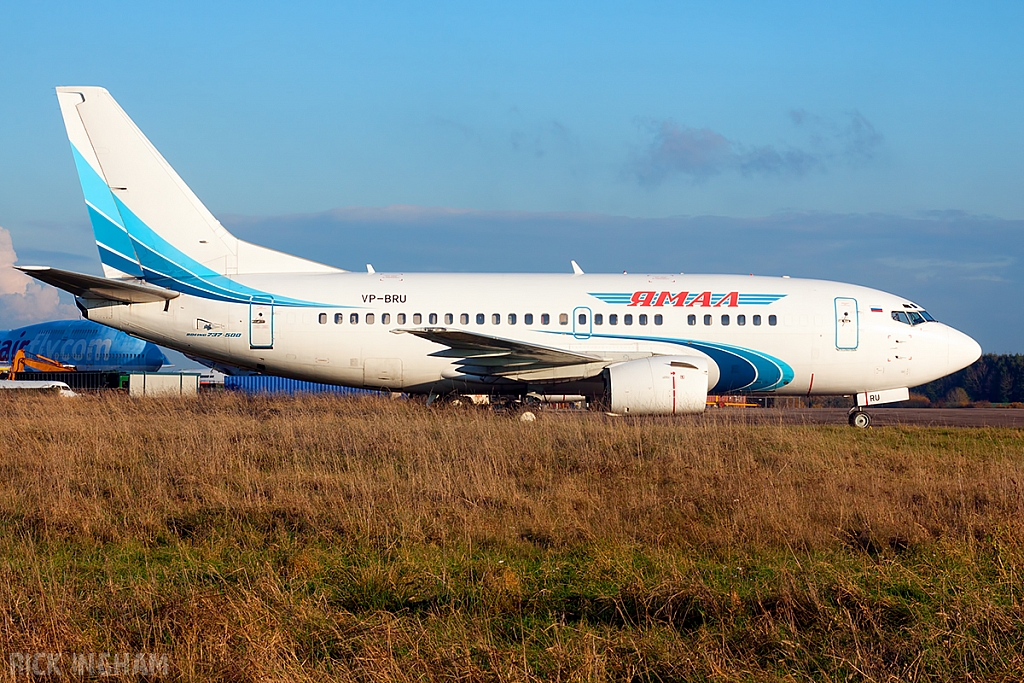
582, 322
261, 324
847, 324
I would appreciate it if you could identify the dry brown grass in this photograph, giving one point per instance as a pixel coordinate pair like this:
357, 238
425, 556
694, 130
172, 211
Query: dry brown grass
366, 539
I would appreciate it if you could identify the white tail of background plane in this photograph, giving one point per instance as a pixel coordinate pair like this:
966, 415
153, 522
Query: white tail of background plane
147, 222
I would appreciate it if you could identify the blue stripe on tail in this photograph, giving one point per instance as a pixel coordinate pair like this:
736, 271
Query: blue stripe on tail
115, 246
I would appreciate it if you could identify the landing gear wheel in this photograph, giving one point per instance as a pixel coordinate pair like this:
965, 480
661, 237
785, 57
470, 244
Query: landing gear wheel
859, 419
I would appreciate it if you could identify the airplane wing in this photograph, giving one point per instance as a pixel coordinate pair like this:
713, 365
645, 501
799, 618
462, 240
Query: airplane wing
483, 354
93, 287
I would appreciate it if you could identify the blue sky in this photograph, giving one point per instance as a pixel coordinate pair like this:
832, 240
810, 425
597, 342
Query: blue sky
744, 136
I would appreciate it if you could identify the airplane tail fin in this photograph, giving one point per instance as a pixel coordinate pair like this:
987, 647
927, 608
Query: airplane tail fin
147, 222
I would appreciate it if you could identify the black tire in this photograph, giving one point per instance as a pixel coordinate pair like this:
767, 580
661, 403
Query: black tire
860, 419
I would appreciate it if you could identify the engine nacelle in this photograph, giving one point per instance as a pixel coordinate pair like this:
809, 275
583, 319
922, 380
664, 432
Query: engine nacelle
659, 385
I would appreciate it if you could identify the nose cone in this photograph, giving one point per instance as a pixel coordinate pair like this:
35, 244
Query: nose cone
962, 350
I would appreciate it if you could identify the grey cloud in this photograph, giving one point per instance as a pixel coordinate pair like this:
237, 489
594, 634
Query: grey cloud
862, 140
700, 153
933, 268
695, 152
850, 138
767, 160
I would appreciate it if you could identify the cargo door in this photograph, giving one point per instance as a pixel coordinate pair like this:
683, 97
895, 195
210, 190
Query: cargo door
382, 372
847, 324
261, 323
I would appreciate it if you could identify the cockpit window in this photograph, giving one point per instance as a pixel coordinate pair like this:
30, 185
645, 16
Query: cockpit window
912, 317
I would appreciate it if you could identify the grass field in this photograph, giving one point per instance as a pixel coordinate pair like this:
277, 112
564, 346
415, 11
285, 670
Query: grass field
367, 539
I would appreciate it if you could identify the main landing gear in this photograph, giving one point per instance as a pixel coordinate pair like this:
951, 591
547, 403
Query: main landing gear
858, 418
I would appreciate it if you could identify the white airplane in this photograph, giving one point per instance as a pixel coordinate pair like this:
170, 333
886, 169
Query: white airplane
646, 344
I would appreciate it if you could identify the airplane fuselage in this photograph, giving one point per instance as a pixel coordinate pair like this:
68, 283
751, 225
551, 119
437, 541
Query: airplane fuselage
85, 345
761, 334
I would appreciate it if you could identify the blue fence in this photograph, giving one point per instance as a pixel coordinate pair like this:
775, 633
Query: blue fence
267, 384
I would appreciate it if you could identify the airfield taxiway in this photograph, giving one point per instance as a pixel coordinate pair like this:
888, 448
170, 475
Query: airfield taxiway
881, 417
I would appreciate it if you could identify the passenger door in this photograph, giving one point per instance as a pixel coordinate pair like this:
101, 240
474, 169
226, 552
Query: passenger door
847, 324
261, 323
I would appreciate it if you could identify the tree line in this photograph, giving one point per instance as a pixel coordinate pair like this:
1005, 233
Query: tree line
993, 378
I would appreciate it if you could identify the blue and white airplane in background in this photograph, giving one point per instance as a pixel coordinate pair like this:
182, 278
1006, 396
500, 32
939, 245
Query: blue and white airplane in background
646, 344
88, 346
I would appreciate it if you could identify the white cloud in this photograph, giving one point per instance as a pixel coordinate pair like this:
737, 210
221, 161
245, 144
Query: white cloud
23, 300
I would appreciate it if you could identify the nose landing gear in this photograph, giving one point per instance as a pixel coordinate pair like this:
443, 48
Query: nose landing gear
858, 418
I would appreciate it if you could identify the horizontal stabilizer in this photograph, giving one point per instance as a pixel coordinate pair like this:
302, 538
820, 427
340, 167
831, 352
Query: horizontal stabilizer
93, 287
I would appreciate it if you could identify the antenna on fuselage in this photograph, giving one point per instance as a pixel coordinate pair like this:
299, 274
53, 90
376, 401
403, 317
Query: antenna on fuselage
369, 268
576, 270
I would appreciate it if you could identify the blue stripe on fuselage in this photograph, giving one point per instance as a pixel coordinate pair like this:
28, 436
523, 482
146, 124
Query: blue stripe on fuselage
739, 368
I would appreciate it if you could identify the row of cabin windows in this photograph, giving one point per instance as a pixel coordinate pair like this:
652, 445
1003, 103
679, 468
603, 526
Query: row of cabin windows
726, 320
545, 319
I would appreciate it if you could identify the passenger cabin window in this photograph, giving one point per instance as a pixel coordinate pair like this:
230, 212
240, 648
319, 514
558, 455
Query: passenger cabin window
495, 318
757, 320
369, 318
659, 319
480, 318
433, 318
354, 318
691, 319
464, 318
323, 318
613, 318
707, 320
642, 318
401, 318
725, 320
511, 318
772, 320
582, 317
563, 318
741, 320
449, 318
598, 319
528, 318
627, 319
545, 319
417, 319
385, 318
339, 318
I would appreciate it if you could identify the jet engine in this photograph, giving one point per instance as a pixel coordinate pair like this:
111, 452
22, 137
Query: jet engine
659, 385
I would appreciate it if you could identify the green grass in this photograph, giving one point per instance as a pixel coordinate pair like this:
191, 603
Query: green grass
316, 539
